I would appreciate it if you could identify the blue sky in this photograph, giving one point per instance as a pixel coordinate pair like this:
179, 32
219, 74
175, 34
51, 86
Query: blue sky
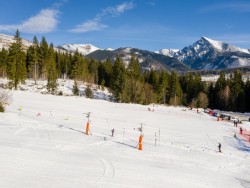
146, 24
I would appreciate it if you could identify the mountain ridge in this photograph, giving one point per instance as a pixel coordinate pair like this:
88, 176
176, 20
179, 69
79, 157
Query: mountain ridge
204, 54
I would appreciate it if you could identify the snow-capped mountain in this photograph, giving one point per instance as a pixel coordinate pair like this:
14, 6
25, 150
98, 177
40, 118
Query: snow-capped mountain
83, 49
7, 40
204, 54
168, 52
147, 59
110, 49
210, 54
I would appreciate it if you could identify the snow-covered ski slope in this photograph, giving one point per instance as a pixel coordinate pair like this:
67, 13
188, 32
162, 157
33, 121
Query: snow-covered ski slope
45, 145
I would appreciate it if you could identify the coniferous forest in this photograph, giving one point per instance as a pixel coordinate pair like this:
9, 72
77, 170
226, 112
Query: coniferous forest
128, 84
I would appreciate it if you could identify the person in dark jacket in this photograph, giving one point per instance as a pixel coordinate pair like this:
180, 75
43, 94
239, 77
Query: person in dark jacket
219, 146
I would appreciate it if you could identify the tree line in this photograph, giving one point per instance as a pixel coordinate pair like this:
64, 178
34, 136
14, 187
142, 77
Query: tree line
128, 84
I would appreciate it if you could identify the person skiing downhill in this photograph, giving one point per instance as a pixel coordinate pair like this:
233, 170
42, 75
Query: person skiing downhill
112, 131
219, 146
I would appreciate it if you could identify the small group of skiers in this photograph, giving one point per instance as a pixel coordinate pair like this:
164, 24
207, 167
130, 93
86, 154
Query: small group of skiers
236, 123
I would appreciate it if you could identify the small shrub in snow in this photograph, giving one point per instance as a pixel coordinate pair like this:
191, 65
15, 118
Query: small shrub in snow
5, 99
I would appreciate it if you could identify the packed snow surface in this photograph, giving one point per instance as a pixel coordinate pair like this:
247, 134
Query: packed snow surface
43, 144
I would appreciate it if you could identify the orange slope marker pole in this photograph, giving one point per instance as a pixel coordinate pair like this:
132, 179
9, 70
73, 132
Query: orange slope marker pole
140, 142
87, 128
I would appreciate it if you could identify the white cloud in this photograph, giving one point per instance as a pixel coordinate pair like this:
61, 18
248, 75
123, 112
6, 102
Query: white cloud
95, 23
90, 25
118, 9
45, 21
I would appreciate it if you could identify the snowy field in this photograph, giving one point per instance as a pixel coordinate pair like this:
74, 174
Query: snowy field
44, 145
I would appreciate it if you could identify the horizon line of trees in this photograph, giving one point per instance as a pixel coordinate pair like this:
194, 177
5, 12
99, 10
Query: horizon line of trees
128, 84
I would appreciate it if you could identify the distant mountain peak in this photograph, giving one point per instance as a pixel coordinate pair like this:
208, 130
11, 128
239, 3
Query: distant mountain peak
222, 46
83, 49
216, 44
168, 52
207, 54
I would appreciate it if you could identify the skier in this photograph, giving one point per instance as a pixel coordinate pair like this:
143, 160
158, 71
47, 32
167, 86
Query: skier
112, 131
219, 146
234, 123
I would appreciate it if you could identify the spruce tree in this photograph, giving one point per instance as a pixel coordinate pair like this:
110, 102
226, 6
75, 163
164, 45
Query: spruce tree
16, 63
134, 68
32, 59
75, 88
163, 89
175, 93
220, 86
247, 94
237, 94
3, 62
79, 67
52, 72
43, 58
105, 71
118, 79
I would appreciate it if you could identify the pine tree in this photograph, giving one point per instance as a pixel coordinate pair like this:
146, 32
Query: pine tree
247, 94
237, 92
75, 88
163, 89
211, 96
3, 62
32, 59
134, 68
35, 57
132, 80
79, 67
17, 65
220, 86
43, 58
52, 72
175, 93
118, 79
105, 71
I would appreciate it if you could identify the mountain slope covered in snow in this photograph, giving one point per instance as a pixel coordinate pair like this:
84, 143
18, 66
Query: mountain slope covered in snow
83, 49
147, 59
208, 54
7, 40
